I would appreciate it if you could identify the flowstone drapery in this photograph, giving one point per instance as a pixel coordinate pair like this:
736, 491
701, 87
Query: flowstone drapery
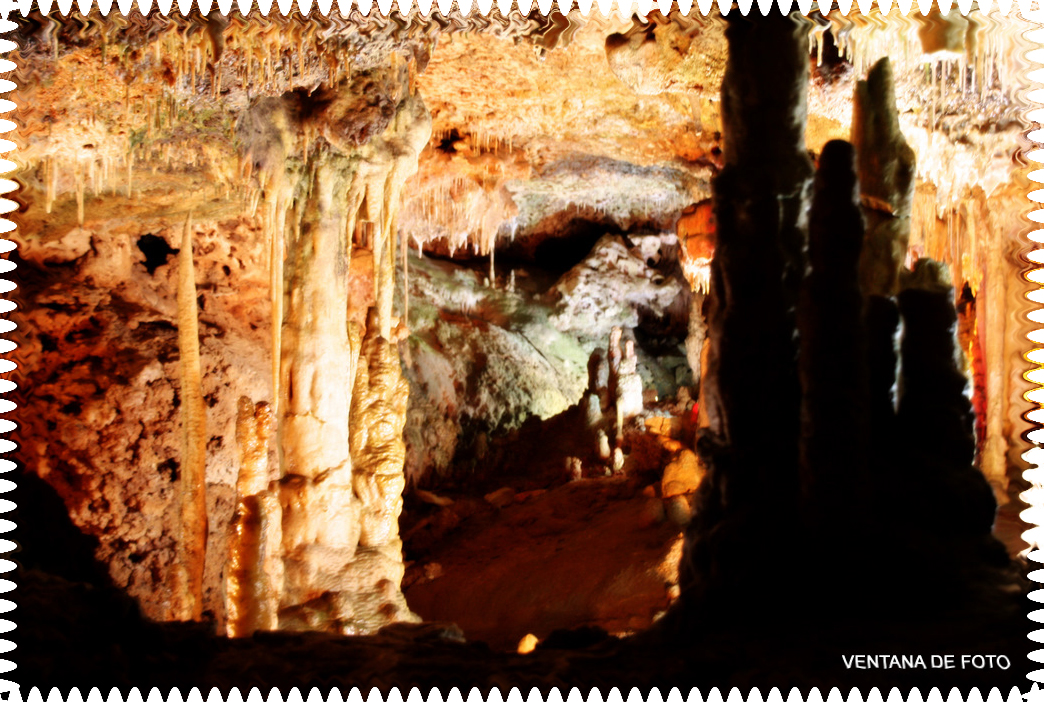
331, 167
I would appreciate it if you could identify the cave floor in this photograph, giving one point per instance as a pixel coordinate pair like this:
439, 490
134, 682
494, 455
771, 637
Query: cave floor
595, 552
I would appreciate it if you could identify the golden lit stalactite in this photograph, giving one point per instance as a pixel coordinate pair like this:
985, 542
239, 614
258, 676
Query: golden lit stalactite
695, 231
886, 177
993, 454
404, 244
280, 198
253, 579
385, 165
696, 236
194, 443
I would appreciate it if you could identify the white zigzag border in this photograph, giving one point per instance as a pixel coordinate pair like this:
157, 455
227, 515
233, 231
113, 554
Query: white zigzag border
1035, 456
518, 695
545, 7
1032, 9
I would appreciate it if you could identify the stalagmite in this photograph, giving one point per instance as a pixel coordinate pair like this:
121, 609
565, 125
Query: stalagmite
886, 177
752, 395
934, 403
629, 401
378, 452
254, 576
194, 453
833, 375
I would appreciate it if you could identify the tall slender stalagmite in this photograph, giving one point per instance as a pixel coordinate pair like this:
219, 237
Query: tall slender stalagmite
834, 379
194, 454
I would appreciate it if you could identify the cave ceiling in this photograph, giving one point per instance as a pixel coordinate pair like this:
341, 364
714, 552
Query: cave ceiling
534, 119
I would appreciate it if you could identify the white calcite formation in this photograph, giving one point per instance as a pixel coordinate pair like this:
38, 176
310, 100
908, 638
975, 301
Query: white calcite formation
339, 389
613, 284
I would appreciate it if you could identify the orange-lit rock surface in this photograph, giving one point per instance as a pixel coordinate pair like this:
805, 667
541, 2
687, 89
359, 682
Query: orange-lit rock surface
557, 163
590, 553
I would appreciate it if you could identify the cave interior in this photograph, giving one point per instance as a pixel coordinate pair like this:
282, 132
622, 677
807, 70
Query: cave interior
519, 350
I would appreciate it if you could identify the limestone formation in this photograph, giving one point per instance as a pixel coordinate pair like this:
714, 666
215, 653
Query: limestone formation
359, 309
629, 398
837, 458
886, 180
193, 542
339, 522
253, 580
378, 451
835, 386
668, 54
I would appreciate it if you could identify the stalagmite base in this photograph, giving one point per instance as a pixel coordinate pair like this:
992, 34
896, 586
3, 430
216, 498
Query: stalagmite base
254, 577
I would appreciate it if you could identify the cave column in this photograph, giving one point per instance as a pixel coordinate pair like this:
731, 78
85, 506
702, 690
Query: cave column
761, 203
752, 399
320, 514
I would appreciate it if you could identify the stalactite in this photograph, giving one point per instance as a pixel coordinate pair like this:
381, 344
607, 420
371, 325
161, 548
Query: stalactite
194, 454
276, 227
405, 280
130, 173
51, 178
79, 193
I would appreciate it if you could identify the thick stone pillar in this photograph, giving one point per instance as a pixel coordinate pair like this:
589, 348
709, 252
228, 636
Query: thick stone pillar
752, 399
321, 517
761, 207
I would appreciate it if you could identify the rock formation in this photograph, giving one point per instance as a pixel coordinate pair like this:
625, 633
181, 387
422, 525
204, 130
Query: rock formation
886, 179
848, 459
441, 396
189, 575
254, 580
338, 516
